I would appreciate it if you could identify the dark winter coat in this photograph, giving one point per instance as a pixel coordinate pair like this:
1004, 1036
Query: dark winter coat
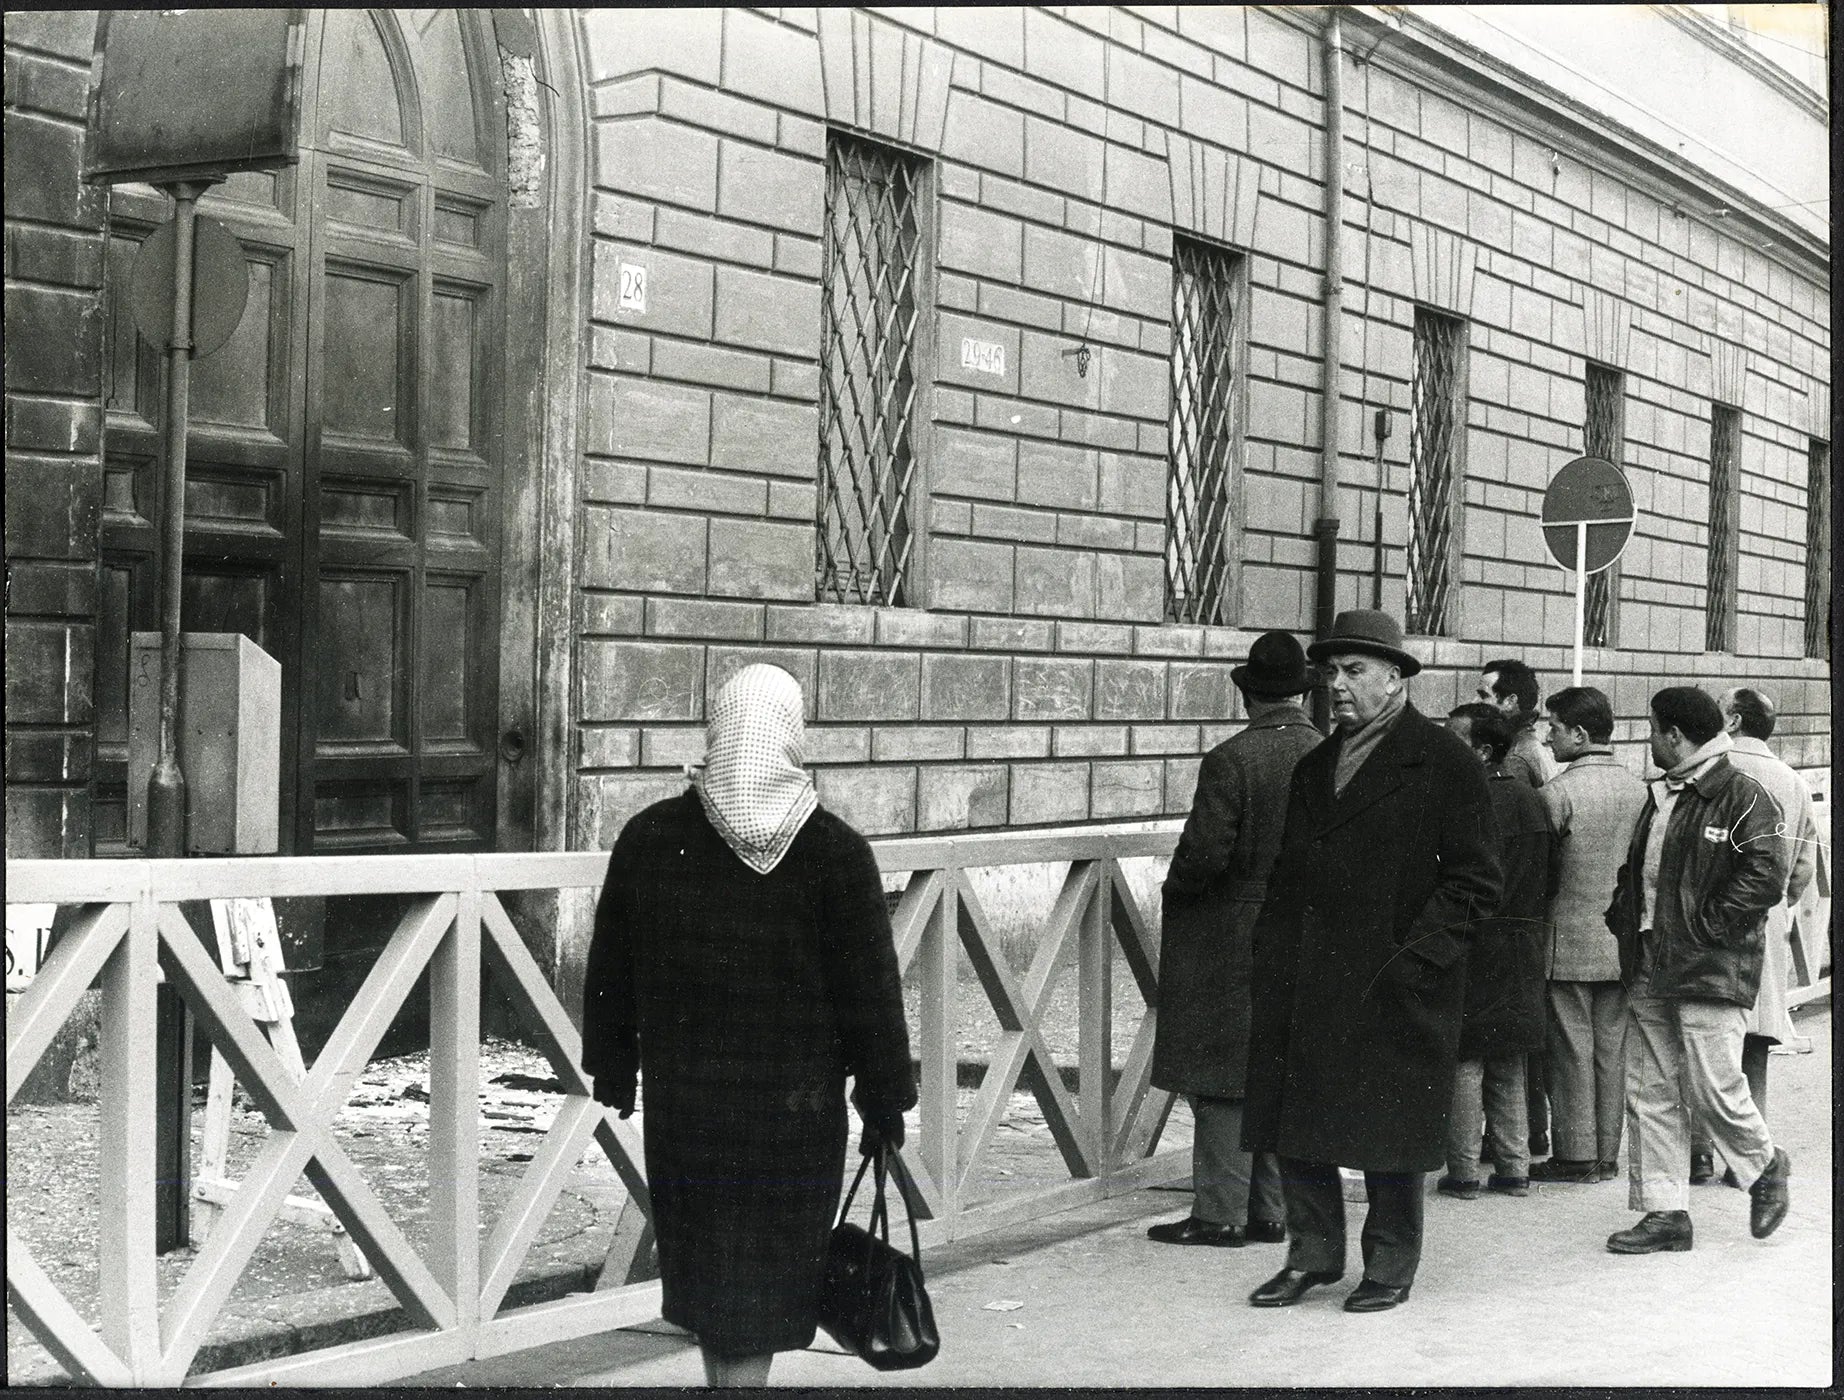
1212, 893
1358, 977
1506, 994
1722, 868
753, 997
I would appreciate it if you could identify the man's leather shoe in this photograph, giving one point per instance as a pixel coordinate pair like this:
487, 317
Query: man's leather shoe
1606, 1171
1458, 1189
1371, 1296
1538, 1144
1658, 1231
1191, 1230
1702, 1168
1267, 1231
1288, 1286
1770, 1200
1561, 1170
1508, 1185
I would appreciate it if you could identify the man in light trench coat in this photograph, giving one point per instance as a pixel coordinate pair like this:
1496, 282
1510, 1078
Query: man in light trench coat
1388, 859
1212, 894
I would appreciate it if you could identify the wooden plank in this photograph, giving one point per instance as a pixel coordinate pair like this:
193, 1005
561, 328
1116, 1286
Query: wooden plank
57, 1324
276, 877
1138, 945
454, 1110
993, 1100
1132, 1091
626, 1155
579, 1315
898, 853
937, 971
1065, 916
392, 977
530, 992
540, 870
1818, 991
374, 1361
544, 1179
912, 911
630, 1251
75, 881
74, 962
393, 1256
127, 1295
1095, 1021
1033, 1205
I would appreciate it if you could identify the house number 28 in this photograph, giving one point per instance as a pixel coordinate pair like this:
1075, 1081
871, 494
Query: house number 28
633, 288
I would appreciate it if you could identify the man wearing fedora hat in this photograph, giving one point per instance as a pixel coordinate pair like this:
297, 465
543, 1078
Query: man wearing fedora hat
1212, 894
1388, 857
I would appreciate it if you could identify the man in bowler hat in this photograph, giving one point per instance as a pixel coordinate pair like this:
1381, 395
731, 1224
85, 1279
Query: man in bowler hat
1213, 892
1388, 858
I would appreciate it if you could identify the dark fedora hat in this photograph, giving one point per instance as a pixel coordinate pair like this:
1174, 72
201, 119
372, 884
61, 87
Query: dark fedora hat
1369, 632
1276, 666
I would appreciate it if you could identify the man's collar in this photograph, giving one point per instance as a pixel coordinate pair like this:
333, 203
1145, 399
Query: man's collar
1593, 756
1747, 743
1291, 713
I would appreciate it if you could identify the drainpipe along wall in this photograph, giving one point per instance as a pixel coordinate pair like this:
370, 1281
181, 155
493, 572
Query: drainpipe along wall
1325, 528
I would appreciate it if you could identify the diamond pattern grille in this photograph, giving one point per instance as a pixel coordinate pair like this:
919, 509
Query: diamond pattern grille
1818, 550
871, 259
1434, 412
1719, 625
1602, 436
1206, 316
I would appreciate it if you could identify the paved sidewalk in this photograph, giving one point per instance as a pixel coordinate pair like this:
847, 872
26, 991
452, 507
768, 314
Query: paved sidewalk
1511, 1293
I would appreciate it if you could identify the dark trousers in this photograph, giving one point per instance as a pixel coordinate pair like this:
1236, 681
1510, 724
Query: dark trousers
1391, 1240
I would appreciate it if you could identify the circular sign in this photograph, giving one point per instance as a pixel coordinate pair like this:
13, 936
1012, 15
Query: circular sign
1588, 491
220, 285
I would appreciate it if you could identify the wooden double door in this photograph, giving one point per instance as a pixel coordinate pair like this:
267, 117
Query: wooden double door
343, 497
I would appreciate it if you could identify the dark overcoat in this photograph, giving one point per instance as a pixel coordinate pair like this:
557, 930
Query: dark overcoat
752, 997
1358, 977
1506, 982
1213, 891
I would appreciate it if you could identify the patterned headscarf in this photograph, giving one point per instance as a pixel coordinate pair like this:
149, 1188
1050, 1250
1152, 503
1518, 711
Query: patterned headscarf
752, 784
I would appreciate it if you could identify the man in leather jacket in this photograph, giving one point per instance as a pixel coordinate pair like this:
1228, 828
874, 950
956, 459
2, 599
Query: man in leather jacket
1705, 865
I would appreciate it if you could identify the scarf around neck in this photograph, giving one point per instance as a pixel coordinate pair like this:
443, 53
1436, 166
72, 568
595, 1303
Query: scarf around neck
1356, 745
1676, 778
752, 785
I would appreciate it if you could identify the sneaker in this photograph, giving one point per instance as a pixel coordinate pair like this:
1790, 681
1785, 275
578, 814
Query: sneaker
1508, 1185
1458, 1189
1769, 1199
1658, 1231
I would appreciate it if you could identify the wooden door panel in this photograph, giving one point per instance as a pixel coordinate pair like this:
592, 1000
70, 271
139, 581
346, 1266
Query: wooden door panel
449, 668
240, 385
363, 664
367, 390
365, 815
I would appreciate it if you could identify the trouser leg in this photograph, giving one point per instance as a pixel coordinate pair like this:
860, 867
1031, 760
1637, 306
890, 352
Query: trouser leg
1657, 1128
1506, 1120
1465, 1120
1571, 1071
1391, 1240
1755, 1050
1711, 1036
1315, 1216
1266, 1200
1608, 1010
1219, 1166
1535, 1069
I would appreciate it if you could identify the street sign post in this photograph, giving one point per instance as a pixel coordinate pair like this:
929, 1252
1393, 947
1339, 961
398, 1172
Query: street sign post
1588, 517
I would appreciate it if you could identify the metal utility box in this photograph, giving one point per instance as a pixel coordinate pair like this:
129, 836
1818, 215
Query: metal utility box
230, 741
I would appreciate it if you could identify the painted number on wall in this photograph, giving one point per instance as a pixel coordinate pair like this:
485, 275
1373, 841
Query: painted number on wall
633, 288
982, 356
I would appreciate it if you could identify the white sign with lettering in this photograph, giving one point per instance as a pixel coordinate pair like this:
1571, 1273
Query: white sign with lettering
982, 356
633, 288
28, 932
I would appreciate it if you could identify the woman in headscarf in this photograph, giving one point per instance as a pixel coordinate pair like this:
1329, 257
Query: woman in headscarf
743, 966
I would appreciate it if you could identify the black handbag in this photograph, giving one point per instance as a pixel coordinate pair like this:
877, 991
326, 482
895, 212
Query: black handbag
872, 1299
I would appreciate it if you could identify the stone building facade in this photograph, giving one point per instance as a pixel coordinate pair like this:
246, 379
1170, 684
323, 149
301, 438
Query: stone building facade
663, 517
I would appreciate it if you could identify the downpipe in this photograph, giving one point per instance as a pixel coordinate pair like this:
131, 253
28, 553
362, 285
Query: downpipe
1325, 528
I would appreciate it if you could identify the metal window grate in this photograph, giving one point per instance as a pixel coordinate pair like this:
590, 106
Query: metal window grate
1719, 614
1602, 436
1818, 549
871, 260
1206, 396
1434, 429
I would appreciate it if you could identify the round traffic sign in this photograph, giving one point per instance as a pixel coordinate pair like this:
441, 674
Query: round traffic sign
1588, 491
220, 285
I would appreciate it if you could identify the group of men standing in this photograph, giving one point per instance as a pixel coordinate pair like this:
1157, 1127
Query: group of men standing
1412, 945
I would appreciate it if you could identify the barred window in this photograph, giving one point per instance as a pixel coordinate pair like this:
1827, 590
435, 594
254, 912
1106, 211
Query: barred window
1603, 436
871, 260
1437, 406
1208, 297
1818, 549
1725, 507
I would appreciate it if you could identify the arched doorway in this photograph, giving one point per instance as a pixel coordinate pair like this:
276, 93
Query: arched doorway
348, 448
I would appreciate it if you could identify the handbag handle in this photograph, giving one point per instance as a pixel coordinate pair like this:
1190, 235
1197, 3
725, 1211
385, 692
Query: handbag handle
880, 1206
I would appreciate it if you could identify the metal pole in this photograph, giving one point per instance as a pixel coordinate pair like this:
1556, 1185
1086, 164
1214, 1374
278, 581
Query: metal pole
1325, 528
1581, 590
166, 788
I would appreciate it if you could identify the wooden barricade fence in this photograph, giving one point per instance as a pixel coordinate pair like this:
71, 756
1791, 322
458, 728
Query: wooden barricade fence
130, 932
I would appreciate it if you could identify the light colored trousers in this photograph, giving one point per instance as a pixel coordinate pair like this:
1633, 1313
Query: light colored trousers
1230, 1186
1684, 1061
1488, 1095
1587, 1070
